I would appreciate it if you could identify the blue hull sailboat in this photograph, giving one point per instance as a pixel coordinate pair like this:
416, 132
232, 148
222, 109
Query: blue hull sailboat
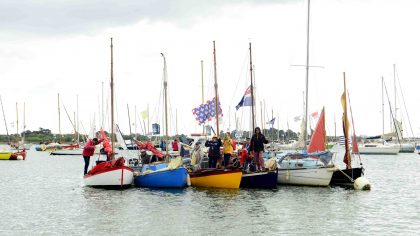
160, 176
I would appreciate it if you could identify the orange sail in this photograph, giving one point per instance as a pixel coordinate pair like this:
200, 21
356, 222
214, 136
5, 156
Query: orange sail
318, 137
347, 157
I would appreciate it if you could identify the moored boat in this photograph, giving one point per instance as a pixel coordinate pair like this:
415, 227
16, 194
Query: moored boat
306, 176
110, 174
216, 178
162, 176
265, 179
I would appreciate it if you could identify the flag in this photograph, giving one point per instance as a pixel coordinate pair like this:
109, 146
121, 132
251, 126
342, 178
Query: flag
314, 115
297, 118
207, 111
246, 99
271, 122
144, 114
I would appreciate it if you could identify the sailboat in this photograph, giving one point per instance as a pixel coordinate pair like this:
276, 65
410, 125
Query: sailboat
114, 173
211, 177
311, 166
349, 174
379, 146
170, 174
13, 154
265, 179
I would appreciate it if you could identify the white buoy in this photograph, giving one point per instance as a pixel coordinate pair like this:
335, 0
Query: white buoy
19, 157
361, 183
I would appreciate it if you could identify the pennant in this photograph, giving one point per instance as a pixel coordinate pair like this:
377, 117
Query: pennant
206, 112
297, 118
144, 114
271, 122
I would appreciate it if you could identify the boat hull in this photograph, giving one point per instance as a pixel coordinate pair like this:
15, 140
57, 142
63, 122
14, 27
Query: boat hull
306, 176
115, 177
267, 180
176, 178
21, 155
383, 150
5, 155
338, 178
67, 152
216, 178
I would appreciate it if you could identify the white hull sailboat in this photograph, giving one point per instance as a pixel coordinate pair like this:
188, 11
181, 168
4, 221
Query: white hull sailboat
306, 176
379, 149
121, 176
114, 173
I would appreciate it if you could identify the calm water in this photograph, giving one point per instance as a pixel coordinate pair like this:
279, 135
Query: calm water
45, 195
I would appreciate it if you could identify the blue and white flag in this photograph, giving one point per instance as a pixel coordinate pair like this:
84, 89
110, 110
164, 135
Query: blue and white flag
246, 99
271, 122
207, 111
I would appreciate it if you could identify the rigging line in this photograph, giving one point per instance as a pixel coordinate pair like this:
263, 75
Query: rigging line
392, 115
405, 107
240, 76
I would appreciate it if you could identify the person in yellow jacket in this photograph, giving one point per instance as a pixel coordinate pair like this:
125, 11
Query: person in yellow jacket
227, 149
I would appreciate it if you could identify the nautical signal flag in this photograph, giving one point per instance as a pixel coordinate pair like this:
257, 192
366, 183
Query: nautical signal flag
246, 99
207, 111
271, 122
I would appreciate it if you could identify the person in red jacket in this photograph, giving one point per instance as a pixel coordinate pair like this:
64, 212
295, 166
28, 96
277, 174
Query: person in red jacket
175, 145
89, 150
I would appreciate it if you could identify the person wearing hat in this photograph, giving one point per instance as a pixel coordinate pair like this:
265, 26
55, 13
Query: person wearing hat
88, 151
257, 148
214, 150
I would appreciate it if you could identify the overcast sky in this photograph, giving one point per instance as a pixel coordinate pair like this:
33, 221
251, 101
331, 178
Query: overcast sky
49, 47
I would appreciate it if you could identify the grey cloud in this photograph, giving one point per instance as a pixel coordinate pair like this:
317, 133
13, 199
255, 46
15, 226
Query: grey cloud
58, 17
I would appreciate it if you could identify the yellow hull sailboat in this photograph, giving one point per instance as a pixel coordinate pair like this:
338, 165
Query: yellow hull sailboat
5, 155
216, 178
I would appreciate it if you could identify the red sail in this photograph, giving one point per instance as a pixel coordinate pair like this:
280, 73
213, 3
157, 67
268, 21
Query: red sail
318, 137
105, 143
149, 146
355, 147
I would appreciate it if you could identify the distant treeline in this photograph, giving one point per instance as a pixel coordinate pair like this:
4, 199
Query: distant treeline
46, 136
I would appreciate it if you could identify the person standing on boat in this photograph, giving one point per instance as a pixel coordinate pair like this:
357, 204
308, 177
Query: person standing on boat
197, 156
214, 150
257, 148
175, 145
227, 149
89, 150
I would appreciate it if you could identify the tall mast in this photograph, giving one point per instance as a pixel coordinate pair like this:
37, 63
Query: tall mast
129, 119
4, 118
383, 115
148, 120
17, 123
135, 122
165, 87
202, 87
176, 121
305, 137
252, 88
112, 103
395, 98
24, 125
77, 116
102, 115
59, 119
215, 89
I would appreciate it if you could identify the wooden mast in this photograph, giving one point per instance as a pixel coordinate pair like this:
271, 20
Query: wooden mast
17, 124
129, 119
112, 103
165, 95
252, 88
4, 118
59, 117
202, 88
215, 89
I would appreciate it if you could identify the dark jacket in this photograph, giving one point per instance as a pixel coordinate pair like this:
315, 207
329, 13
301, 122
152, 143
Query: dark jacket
214, 147
257, 142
